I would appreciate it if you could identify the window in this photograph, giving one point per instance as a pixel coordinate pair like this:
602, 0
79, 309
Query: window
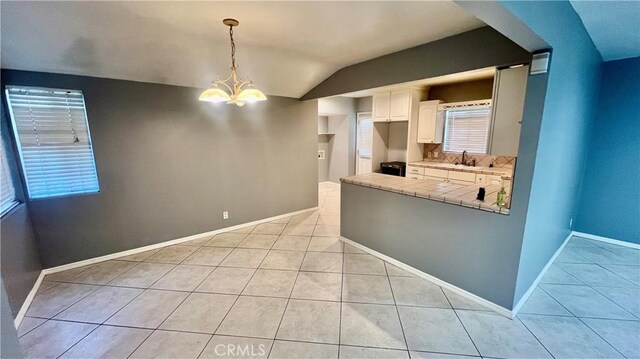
7, 191
467, 129
53, 141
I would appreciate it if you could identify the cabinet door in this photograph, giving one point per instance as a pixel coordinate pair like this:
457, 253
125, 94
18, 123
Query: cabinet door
508, 103
427, 122
381, 106
400, 105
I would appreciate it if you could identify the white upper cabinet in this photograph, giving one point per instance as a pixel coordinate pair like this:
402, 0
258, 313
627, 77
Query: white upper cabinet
392, 106
381, 102
400, 105
430, 127
508, 103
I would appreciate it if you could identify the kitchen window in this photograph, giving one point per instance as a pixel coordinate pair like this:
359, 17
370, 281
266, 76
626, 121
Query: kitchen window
54, 142
467, 129
7, 190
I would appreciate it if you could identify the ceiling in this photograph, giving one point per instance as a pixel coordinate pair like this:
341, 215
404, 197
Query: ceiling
287, 48
614, 26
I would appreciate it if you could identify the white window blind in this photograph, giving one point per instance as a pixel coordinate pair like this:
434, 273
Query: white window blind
8, 192
467, 129
53, 140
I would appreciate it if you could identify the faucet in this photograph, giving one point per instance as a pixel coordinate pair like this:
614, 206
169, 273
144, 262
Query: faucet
465, 162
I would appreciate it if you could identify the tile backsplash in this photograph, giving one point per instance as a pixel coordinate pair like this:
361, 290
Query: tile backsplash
481, 160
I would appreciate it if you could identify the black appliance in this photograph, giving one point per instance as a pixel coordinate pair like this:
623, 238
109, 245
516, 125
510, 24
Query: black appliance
395, 168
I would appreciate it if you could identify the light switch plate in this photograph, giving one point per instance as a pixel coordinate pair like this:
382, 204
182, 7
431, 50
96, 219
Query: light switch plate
321, 154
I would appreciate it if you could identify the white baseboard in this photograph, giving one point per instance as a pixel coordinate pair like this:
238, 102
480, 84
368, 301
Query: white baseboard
472, 297
606, 240
544, 270
28, 300
107, 257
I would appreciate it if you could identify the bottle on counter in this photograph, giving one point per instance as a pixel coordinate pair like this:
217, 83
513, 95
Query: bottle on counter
500, 201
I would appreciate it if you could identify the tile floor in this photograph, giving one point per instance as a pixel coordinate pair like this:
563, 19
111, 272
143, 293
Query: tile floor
291, 289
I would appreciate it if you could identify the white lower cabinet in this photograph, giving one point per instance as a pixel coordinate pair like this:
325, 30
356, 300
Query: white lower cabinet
457, 177
432, 172
415, 170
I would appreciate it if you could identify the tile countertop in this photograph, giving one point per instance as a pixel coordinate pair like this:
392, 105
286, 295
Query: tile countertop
506, 173
461, 195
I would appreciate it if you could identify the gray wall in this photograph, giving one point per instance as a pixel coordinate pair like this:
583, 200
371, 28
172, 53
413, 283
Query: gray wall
364, 104
471, 50
9, 345
19, 256
342, 122
20, 261
325, 142
475, 250
169, 165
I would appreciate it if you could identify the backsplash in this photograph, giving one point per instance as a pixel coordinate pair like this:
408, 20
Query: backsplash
481, 160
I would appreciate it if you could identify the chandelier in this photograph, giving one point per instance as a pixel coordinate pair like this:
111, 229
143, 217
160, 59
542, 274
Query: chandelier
239, 91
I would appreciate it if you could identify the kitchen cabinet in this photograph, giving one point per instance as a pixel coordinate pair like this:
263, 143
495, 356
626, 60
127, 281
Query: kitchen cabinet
415, 170
381, 102
392, 106
430, 124
463, 178
509, 90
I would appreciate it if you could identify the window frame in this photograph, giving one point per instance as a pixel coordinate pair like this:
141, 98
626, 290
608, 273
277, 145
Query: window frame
16, 137
10, 176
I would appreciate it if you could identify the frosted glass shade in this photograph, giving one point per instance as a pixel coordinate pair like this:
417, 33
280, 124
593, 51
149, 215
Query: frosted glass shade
215, 95
251, 95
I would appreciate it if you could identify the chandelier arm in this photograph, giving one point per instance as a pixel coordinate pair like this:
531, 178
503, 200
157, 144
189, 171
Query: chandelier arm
225, 85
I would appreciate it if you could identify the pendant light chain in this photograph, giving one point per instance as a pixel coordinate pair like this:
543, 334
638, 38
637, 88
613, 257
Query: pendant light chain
233, 48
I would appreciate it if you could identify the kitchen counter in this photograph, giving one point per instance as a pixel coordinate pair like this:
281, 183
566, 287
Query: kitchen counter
461, 195
506, 173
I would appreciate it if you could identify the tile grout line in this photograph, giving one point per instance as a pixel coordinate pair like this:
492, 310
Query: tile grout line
461, 323
395, 304
535, 336
275, 336
232, 304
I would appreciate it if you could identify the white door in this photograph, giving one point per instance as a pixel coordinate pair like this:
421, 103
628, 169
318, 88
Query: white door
364, 143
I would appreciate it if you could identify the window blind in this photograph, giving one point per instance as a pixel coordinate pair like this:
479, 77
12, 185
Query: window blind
7, 191
467, 129
53, 141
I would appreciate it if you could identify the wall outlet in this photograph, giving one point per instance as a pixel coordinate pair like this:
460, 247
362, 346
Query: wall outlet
225, 215
435, 154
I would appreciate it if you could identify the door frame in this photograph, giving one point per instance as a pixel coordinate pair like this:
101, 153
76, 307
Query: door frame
359, 117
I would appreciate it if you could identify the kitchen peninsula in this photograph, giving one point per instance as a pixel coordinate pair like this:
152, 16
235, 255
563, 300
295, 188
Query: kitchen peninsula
435, 190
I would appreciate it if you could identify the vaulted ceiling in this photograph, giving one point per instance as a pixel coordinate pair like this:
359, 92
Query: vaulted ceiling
285, 47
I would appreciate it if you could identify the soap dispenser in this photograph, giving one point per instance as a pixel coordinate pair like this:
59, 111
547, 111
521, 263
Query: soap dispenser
500, 201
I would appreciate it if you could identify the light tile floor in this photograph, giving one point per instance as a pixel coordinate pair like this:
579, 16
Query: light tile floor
291, 289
